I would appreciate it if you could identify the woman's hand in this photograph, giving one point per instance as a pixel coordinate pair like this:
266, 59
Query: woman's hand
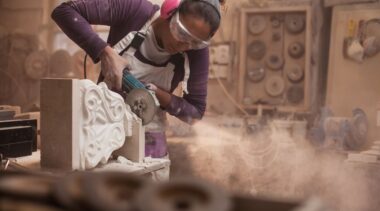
112, 66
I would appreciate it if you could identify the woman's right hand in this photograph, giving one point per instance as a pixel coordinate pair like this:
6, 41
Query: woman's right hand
112, 66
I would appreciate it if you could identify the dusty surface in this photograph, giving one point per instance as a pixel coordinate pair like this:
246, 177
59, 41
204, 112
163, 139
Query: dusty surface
273, 164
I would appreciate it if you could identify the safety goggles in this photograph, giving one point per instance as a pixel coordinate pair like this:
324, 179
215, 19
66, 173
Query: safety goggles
180, 33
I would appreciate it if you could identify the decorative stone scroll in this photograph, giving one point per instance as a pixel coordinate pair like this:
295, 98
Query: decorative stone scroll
81, 123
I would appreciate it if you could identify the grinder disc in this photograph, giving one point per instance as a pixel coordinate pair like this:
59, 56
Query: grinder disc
142, 104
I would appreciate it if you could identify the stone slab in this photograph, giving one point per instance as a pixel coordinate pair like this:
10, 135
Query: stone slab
59, 136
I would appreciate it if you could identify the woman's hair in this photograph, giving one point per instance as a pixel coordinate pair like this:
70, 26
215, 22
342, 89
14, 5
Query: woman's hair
204, 10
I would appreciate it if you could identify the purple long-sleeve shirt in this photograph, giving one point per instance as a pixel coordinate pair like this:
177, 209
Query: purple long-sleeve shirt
123, 16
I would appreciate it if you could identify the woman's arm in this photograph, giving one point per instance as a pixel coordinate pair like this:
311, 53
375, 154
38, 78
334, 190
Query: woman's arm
193, 105
76, 17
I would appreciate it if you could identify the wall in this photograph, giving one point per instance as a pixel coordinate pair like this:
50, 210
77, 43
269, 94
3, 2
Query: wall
229, 31
352, 84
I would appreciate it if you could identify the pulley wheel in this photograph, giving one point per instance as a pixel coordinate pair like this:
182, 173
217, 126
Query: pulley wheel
275, 86
295, 23
36, 65
295, 94
256, 24
296, 49
295, 73
276, 20
183, 194
256, 49
274, 61
256, 74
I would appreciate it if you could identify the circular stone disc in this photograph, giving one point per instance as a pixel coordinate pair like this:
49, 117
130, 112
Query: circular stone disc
296, 49
295, 94
275, 86
295, 73
274, 61
142, 104
256, 74
256, 24
295, 23
256, 49
36, 65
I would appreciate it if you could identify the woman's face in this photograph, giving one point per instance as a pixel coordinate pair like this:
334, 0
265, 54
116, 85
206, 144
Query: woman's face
185, 32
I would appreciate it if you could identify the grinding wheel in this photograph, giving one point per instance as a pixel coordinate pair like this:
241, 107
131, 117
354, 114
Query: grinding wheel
36, 65
256, 49
295, 23
295, 73
275, 86
296, 49
274, 61
142, 104
256, 24
256, 74
295, 94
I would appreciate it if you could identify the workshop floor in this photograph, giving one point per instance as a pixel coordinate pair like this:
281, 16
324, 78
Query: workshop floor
272, 164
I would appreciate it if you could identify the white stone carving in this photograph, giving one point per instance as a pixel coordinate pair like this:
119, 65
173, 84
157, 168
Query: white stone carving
82, 124
102, 126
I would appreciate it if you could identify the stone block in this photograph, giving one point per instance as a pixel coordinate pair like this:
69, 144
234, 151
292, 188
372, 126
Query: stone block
81, 123
134, 146
59, 124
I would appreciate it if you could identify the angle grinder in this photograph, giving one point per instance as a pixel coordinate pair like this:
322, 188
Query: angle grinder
143, 102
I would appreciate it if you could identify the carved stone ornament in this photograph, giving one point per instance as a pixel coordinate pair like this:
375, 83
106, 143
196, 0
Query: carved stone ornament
104, 124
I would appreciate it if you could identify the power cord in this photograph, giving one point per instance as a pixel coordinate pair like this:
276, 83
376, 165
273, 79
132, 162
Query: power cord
84, 66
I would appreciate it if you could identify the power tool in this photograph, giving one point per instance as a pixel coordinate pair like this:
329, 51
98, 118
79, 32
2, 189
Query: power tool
143, 102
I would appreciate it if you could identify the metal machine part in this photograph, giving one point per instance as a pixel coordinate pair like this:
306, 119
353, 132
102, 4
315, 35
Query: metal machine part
274, 61
256, 49
276, 20
295, 73
348, 133
256, 74
257, 24
295, 23
296, 49
295, 94
142, 101
275, 86
36, 65
183, 194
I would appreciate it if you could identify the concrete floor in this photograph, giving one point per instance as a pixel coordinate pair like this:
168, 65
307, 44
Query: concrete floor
273, 164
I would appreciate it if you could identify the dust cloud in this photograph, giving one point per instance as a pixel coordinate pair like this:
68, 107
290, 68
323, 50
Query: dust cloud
274, 162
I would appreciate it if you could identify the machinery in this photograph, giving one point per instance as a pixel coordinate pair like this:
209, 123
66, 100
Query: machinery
349, 133
142, 101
